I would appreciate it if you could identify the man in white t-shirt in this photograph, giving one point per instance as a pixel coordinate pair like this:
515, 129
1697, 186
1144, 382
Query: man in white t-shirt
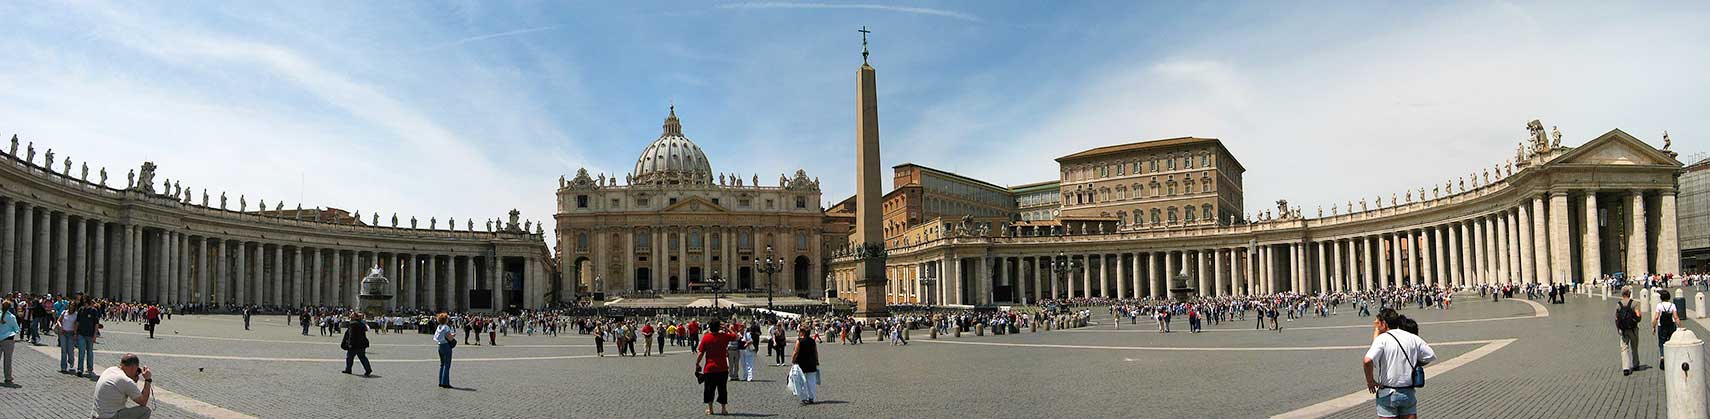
1389, 365
118, 384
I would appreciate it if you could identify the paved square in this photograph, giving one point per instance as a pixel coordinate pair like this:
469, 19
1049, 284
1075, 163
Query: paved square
1561, 364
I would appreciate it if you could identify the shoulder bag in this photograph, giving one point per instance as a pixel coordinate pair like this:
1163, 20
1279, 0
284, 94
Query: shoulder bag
1418, 372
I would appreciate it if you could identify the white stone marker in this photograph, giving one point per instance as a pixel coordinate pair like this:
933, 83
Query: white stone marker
1684, 376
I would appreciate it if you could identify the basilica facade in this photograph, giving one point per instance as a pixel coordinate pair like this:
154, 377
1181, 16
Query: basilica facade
673, 225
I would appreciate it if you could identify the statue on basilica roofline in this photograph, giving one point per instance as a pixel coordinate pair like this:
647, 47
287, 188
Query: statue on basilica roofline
470, 223
394, 219
68, 166
1555, 137
103, 176
279, 206
375, 219
243, 203
84, 175
263, 206
756, 181
1320, 211
1667, 143
145, 177
412, 222
48, 161
1392, 201
1540, 141
130, 179
1363, 205
433, 223
14, 152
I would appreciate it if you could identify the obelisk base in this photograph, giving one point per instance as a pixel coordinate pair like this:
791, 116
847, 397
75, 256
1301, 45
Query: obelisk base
870, 291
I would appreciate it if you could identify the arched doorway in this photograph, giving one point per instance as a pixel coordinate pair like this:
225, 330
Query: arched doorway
694, 276
801, 274
673, 283
745, 278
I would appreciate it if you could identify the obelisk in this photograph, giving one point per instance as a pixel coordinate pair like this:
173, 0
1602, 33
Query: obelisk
869, 237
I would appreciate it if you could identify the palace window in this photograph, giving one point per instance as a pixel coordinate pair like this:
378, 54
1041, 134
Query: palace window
581, 201
1188, 216
1205, 160
1120, 169
641, 202
694, 240
582, 242
1170, 164
744, 202
616, 203
715, 201
1206, 209
1172, 189
671, 201
1206, 182
770, 205
801, 241
643, 240
1187, 162
1187, 187
801, 202
1172, 215
745, 240
1122, 217
716, 243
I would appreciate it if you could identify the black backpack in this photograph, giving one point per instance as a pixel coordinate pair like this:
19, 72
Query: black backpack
1625, 319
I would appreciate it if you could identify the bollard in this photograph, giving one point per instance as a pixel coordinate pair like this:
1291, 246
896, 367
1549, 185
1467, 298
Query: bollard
1698, 304
1684, 375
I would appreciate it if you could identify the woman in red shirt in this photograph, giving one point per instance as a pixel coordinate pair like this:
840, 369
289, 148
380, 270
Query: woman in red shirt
712, 362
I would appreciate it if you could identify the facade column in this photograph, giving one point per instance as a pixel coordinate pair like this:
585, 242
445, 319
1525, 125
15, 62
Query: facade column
1481, 260
1668, 233
1396, 240
1086, 277
185, 286
335, 294
258, 276
465, 278
1201, 274
1121, 285
1322, 265
1383, 262
982, 283
1638, 251
1511, 243
300, 285
313, 279
1266, 285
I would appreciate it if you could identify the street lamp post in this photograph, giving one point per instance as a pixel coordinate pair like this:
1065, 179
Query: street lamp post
1062, 265
927, 281
717, 283
770, 265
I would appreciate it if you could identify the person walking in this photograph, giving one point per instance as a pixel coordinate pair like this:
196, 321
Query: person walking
1627, 324
750, 347
118, 385
67, 337
1664, 320
247, 311
647, 338
804, 368
1394, 365
777, 345
713, 367
303, 319
446, 339
355, 344
9, 328
151, 317
88, 326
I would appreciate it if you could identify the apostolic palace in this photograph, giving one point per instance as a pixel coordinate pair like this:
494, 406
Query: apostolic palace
1118, 222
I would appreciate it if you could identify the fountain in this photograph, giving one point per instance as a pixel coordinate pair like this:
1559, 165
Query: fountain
374, 295
1179, 289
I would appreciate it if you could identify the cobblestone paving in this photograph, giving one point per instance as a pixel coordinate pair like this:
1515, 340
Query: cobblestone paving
1560, 366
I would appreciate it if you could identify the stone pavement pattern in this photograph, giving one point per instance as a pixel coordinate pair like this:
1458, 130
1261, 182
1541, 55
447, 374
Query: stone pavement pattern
1560, 366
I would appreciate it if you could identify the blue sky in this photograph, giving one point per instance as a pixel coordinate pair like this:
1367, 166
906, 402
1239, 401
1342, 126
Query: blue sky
468, 109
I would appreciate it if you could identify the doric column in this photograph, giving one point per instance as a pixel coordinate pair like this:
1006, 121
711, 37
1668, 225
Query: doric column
258, 276
950, 286
1541, 238
334, 295
79, 281
1383, 261
682, 252
431, 295
8, 250
1169, 270
1528, 268
660, 255
1668, 234
1396, 240
1322, 264
1121, 285
276, 296
97, 260
316, 276
1086, 277
1476, 244
1592, 251
185, 287
1220, 283
1444, 266
1366, 246
300, 284
25, 251
1510, 243
1428, 274
240, 277
982, 283
465, 273
1559, 265
1298, 279
1266, 283
61, 263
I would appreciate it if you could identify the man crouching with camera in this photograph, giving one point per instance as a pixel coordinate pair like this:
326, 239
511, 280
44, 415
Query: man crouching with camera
118, 384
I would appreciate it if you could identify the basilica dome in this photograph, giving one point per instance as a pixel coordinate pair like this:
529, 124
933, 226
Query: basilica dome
672, 158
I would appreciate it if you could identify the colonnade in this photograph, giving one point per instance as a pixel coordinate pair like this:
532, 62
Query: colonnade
671, 256
52, 251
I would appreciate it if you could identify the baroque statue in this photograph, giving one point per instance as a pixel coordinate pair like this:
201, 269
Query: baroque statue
85, 172
103, 176
1555, 137
1540, 141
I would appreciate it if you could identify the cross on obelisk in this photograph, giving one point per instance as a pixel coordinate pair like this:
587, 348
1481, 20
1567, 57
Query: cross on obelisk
864, 33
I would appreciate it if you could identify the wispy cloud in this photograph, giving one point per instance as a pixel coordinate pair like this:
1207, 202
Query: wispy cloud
881, 7
476, 38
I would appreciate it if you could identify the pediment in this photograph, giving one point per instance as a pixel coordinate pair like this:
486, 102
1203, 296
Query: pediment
694, 204
1617, 148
